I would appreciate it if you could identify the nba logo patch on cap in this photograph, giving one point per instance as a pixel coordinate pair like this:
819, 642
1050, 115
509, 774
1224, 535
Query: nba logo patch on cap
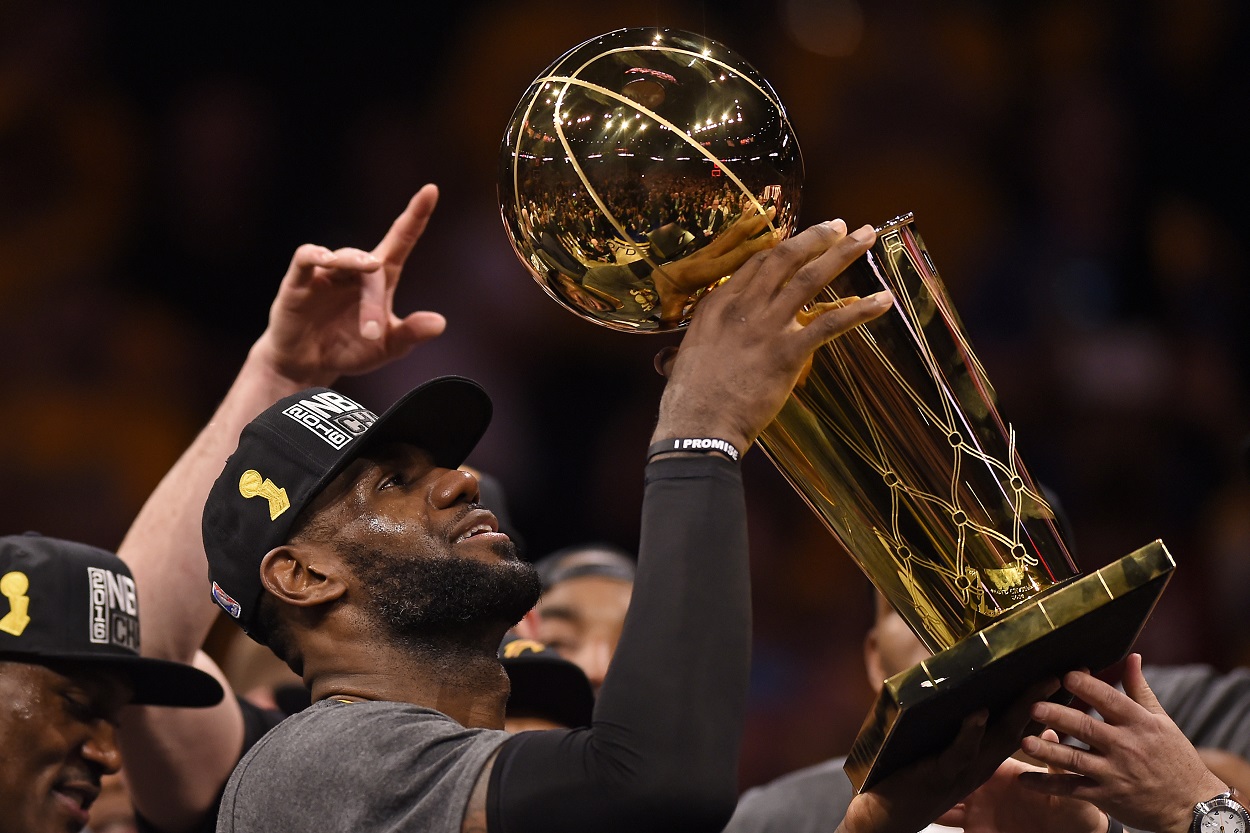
228, 604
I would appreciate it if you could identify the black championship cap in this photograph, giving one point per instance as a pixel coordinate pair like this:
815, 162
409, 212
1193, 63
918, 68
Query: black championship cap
289, 453
72, 602
545, 684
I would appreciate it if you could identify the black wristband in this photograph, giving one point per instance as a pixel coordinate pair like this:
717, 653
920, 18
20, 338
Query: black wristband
1114, 826
696, 445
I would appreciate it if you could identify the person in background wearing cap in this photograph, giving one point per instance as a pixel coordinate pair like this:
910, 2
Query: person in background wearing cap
356, 550
546, 691
69, 663
586, 592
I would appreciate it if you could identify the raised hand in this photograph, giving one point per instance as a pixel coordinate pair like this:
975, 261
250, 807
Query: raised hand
746, 346
1139, 768
333, 312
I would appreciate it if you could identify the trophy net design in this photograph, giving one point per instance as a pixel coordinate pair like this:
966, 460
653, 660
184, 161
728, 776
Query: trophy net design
637, 173
895, 442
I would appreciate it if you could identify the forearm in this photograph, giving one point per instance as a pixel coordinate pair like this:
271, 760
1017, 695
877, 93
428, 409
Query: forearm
178, 760
685, 647
164, 547
665, 739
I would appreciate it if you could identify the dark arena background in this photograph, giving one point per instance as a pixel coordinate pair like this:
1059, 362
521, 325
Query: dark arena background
1077, 170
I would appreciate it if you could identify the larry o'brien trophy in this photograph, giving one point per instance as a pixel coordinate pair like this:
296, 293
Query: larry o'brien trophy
638, 172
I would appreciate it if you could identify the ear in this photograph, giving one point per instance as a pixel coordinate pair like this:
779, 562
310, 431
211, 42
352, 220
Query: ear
527, 628
302, 575
872, 660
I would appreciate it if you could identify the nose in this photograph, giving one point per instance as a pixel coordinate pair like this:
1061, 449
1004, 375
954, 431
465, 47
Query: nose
100, 747
593, 657
454, 486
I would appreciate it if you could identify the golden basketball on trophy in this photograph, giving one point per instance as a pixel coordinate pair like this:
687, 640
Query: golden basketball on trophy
638, 172
640, 169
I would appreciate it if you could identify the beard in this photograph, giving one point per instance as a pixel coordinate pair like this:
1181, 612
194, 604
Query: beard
446, 602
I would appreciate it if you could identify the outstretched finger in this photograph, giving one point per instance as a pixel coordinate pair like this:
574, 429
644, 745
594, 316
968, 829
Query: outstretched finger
788, 257
374, 304
305, 261
1073, 722
1136, 687
1063, 757
414, 329
1116, 707
838, 319
821, 270
408, 227
355, 260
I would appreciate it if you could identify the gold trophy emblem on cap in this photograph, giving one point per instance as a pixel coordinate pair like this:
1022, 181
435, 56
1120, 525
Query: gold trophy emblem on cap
13, 586
251, 484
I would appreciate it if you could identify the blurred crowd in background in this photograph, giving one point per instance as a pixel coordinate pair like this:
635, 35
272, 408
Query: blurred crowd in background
1077, 170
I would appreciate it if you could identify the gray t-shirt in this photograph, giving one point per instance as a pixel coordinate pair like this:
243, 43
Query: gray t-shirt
1210, 707
811, 800
360, 767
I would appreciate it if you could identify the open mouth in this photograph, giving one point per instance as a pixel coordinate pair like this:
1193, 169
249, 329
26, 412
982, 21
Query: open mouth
475, 530
76, 799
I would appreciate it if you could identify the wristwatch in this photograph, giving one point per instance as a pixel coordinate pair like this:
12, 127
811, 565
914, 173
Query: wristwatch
1222, 814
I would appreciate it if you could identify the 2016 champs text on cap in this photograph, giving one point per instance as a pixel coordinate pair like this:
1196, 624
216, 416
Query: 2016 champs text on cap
69, 602
292, 451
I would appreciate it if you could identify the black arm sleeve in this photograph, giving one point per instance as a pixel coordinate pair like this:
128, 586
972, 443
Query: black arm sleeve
662, 752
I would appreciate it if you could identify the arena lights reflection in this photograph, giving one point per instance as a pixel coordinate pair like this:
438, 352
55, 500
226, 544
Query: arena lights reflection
596, 238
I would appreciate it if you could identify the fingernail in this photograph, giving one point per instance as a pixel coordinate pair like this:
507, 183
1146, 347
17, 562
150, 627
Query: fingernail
371, 330
862, 234
326, 256
837, 225
1038, 711
370, 260
884, 298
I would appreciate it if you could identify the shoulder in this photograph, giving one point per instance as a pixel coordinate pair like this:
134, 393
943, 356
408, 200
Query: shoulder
384, 728
1211, 707
810, 799
400, 759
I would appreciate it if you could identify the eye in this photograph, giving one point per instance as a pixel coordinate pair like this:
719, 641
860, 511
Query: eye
394, 479
78, 706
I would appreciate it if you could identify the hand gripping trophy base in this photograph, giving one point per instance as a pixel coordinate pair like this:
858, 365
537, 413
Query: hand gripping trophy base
1087, 622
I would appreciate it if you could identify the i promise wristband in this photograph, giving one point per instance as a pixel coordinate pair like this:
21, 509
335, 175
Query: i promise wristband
697, 445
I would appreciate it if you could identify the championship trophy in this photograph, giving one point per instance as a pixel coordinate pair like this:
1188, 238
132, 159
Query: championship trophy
640, 170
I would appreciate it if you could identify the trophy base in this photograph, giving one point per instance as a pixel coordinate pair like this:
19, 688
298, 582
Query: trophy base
1089, 622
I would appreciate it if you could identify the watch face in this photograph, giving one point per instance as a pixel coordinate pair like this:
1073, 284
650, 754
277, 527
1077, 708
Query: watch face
1223, 819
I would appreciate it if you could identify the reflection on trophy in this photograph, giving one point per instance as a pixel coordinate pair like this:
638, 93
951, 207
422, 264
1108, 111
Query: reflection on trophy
638, 172
642, 168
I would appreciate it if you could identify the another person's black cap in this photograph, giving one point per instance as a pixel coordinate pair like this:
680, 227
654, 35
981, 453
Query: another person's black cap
545, 684
70, 602
289, 453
